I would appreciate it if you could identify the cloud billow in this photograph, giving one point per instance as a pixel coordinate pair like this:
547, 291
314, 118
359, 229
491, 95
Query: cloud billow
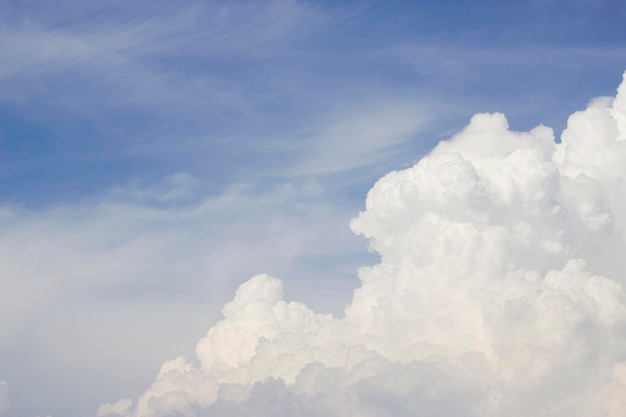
498, 293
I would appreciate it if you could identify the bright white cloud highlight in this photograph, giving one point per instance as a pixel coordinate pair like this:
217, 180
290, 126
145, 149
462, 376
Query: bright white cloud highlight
498, 293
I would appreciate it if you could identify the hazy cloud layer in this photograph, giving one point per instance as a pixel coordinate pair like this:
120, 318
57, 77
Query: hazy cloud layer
4, 397
279, 116
89, 290
499, 293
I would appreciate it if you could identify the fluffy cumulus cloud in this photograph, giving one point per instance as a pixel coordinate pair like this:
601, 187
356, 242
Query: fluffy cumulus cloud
498, 293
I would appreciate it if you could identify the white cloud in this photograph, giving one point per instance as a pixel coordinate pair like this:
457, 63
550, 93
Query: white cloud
91, 287
499, 293
117, 54
367, 135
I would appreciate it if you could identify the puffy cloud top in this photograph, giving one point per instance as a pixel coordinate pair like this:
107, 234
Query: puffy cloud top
498, 293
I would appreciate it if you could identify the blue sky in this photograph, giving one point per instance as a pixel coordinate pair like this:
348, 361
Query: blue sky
110, 92
154, 155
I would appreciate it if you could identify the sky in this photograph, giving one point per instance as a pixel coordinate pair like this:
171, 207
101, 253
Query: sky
208, 208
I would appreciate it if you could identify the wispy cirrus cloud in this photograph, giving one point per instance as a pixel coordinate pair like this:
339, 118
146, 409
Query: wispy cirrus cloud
174, 82
138, 261
363, 136
153, 155
142, 54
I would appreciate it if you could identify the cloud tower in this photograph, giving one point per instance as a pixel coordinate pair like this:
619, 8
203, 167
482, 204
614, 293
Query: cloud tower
499, 292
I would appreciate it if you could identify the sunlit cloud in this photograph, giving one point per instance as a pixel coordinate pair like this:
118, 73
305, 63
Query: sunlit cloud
155, 155
141, 259
498, 293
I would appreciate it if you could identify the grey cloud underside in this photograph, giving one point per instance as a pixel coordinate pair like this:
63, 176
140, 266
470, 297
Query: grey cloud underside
498, 293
